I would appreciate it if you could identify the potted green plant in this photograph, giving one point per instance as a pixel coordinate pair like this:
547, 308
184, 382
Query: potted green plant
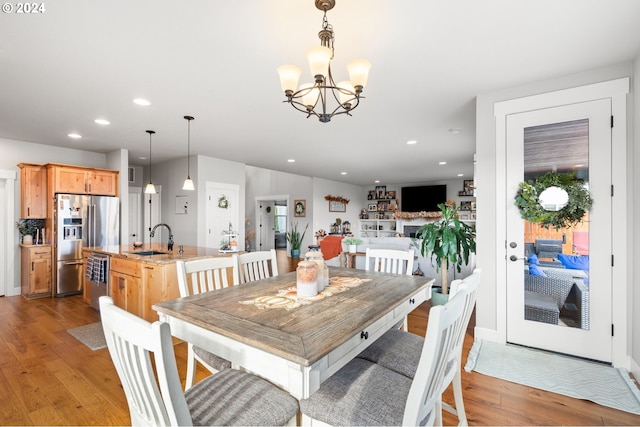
27, 229
353, 243
447, 242
295, 239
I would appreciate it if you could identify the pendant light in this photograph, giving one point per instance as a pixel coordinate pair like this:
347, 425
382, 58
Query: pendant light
188, 183
150, 188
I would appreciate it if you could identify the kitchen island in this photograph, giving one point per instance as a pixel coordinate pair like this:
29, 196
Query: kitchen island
141, 277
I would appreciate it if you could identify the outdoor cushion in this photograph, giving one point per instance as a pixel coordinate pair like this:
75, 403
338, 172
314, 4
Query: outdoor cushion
534, 270
578, 262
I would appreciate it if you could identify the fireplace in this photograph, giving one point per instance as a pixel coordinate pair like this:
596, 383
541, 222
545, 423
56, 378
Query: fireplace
410, 230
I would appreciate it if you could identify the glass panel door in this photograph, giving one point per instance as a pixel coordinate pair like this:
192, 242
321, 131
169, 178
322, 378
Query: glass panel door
559, 280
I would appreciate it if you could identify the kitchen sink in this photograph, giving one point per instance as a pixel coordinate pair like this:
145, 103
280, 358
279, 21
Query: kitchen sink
149, 253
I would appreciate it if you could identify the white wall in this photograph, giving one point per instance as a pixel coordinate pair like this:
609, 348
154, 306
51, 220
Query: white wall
634, 246
322, 218
190, 229
266, 183
489, 224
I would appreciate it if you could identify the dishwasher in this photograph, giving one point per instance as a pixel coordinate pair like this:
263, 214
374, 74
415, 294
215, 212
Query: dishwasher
98, 274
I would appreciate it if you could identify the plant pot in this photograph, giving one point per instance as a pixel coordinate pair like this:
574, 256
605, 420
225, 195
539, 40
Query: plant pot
27, 239
353, 249
295, 253
437, 297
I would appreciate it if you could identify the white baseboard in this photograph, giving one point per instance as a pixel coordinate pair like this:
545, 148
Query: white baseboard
634, 368
487, 335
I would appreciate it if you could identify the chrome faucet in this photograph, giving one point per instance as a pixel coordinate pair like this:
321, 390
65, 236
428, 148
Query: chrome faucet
170, 242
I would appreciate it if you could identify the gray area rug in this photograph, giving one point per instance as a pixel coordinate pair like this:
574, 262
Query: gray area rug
568, 376
90, 335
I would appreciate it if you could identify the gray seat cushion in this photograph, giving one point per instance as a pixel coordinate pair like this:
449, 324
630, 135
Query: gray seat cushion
233, 397
361, 393
396, 350
211, 359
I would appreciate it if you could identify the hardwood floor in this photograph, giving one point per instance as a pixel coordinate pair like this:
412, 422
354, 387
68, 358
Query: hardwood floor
47, 377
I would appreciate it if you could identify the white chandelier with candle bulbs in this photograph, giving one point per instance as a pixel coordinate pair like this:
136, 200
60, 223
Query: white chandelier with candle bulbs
324, 98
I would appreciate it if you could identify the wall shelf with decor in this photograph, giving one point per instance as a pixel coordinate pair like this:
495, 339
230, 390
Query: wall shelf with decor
377, 219
377, 228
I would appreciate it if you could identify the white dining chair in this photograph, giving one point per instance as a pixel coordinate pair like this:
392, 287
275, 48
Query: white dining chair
367, 393
204, 275
257, 265
155, 397
389, 261
400, 351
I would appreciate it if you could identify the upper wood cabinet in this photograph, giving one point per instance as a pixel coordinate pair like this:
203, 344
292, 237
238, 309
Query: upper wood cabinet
33, 191
78, 180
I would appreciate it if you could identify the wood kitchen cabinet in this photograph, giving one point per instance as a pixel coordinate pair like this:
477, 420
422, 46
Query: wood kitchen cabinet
33, 191
160, 283
136, 285
36, 261
79, 180
125, 284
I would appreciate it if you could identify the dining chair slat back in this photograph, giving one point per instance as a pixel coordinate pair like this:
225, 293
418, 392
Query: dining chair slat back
207, 274
425, 396
257, 265
198, 276
453, 375
389, 261
155, 397
131, 340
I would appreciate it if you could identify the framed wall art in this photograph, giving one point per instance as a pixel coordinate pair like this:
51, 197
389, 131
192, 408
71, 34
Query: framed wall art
337, 206
299, 208
373, 207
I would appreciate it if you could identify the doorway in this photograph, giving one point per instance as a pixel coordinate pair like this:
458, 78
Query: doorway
7, 233
272, 219
135, 214
152, 205
553, 304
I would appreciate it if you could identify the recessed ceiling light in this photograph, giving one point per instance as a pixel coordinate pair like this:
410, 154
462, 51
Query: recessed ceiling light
412, 142
141, 101
102, 122
377, 181
343, 173
455, 130
142, 158
460, 174
74, 136
291, 160
442, 163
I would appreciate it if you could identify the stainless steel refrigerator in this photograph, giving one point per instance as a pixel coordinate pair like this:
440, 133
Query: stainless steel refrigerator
81, 221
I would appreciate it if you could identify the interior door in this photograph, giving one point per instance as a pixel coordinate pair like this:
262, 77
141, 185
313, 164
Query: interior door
135, 216
222, 213
152, 204
573, 138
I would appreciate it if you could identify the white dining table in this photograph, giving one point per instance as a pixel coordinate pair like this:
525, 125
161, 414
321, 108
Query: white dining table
264, 328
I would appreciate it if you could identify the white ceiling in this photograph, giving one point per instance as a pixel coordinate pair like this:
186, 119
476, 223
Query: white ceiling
214, 60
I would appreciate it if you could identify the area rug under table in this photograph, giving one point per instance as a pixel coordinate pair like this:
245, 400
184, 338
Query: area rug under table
568, 376
90, 335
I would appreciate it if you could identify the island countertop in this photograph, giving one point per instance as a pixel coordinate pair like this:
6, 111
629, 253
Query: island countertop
165, 257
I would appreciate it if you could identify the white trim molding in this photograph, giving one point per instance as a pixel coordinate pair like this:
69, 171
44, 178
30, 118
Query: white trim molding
617, 91
7, 233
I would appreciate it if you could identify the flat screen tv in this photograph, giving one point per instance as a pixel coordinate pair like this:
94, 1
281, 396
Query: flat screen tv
422, 198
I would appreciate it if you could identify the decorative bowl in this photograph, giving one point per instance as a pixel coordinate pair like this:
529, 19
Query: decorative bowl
137, 244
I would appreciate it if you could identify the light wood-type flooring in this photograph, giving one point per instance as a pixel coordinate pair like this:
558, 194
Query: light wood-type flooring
47, 377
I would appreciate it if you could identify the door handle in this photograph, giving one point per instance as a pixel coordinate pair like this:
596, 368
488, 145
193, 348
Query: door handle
516, 258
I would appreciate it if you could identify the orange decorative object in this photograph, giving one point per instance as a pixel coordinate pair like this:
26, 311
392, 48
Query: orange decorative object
331, 246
